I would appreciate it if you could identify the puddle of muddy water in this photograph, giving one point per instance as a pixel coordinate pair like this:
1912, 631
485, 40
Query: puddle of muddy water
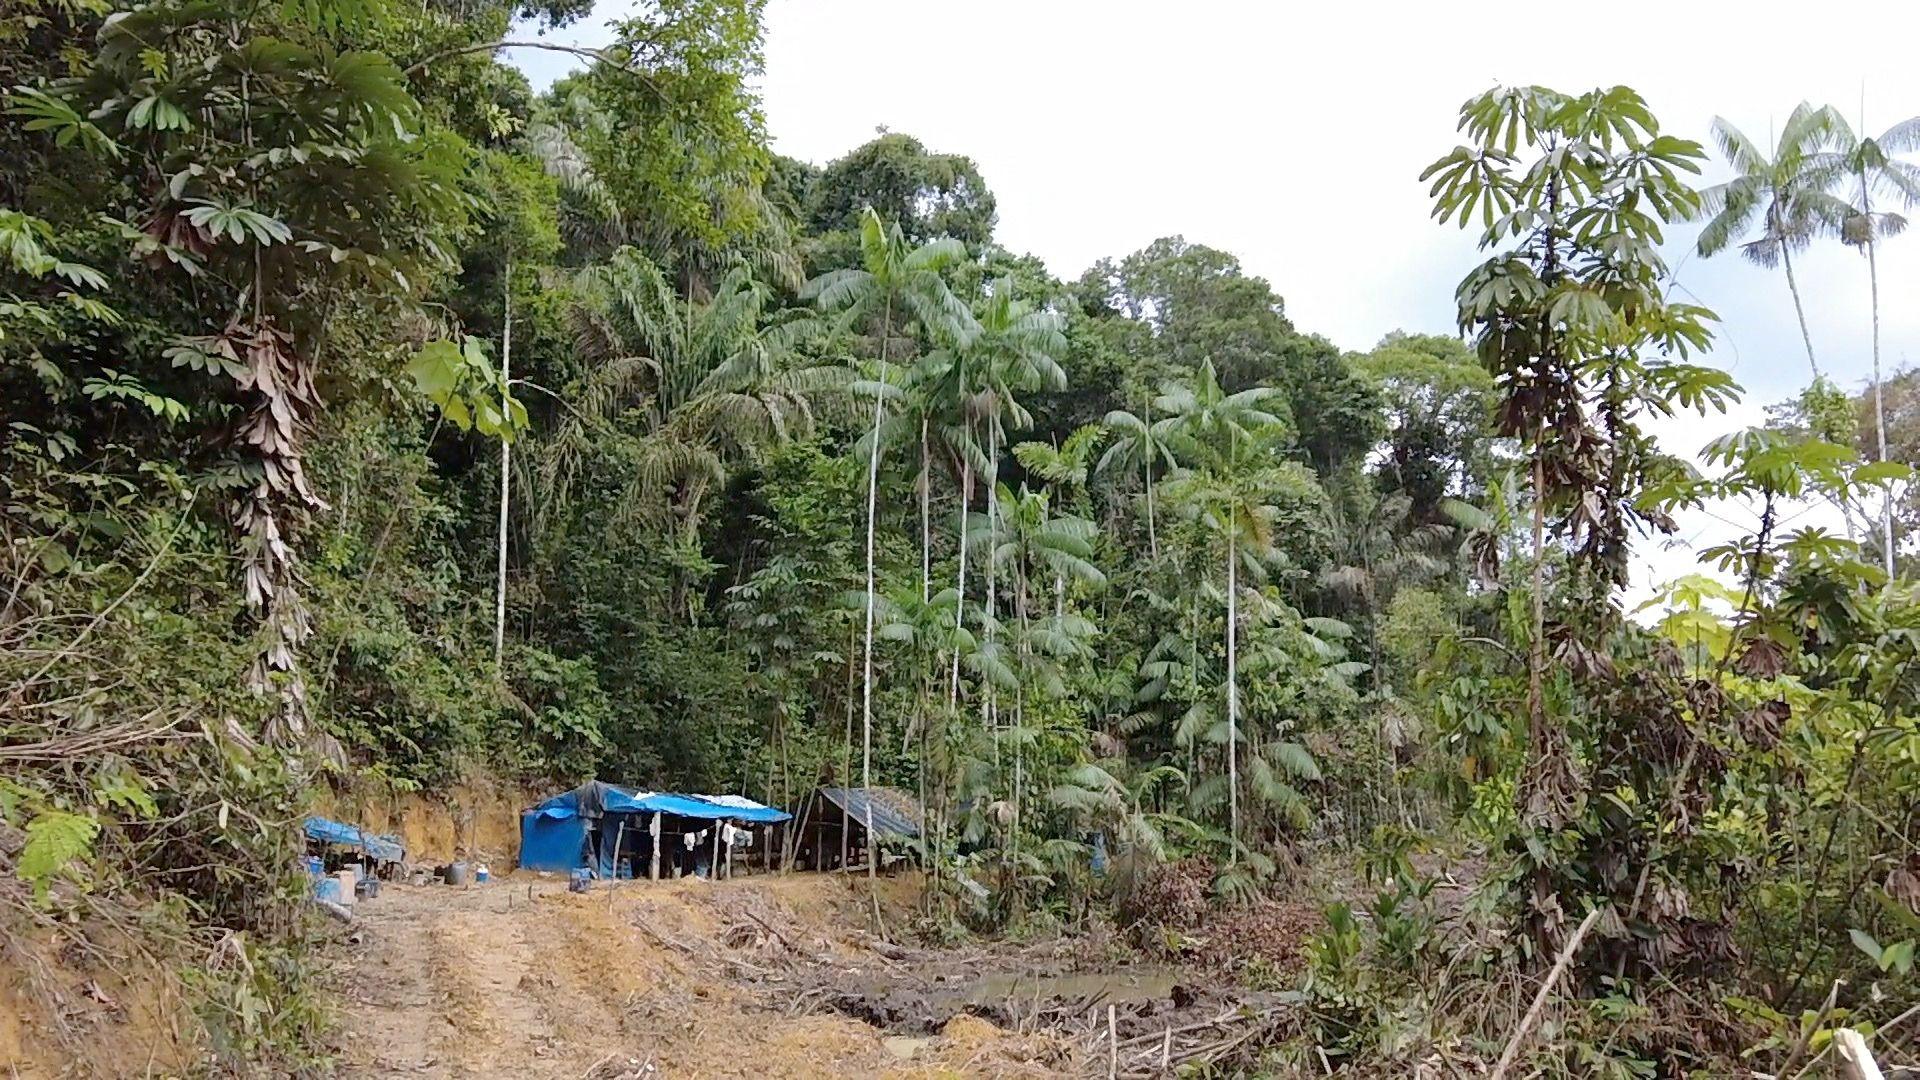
1118, 987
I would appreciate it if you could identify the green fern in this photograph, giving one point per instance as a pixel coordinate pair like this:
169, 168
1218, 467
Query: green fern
54, 839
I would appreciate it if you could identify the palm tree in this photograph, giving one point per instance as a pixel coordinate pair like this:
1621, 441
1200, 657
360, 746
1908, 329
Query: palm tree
1032, 540
1787, 193
923, 627
1377, 547
1229, 442
1064, 468
1136, 446
1872, 167
709, 385
891, 276
1016, 350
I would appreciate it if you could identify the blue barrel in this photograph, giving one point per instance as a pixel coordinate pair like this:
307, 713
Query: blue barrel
315, 866
327, 888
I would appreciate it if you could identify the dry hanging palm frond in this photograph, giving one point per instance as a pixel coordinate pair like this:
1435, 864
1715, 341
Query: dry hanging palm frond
273, 429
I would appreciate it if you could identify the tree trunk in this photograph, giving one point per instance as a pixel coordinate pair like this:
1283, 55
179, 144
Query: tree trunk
866, 686
993, 561
506, 469
926, 523
1233, 700
1019, 740
1793, 286
846, 756
1537, 646
1880, 405
960, 608
1146, 474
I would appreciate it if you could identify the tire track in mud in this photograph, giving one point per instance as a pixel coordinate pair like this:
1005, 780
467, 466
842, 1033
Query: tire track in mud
521, 979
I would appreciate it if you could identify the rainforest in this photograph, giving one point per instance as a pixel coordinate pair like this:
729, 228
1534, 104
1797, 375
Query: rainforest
379, 425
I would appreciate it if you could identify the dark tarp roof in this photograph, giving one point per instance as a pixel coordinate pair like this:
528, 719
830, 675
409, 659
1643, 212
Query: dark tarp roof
895, 813
383, 848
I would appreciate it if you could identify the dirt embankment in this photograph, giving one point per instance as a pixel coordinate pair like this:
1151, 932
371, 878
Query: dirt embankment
477, 820
758, 977
88, 999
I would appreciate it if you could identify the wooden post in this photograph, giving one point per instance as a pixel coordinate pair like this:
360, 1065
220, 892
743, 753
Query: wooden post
619, 834
797, 836
729, 855
713, 870
1113, 1046
653, 872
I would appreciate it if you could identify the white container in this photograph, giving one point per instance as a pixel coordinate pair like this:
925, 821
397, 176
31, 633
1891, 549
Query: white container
346, 879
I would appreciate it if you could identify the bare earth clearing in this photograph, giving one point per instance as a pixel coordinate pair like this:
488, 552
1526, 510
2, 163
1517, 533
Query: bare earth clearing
761, 977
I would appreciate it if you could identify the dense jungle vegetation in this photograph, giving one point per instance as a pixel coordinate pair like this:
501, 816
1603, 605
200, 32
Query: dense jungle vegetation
372, 420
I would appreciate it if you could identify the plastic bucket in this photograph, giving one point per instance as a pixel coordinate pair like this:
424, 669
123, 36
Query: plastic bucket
457, 874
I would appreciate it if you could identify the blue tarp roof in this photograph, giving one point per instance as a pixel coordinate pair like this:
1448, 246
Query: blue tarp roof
328, 831
594, 799
895, 813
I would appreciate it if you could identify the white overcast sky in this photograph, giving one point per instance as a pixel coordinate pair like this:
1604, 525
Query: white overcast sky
1293, 135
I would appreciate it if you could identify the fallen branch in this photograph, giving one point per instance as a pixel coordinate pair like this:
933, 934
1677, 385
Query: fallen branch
768, 927
1540, 999
1806, 1034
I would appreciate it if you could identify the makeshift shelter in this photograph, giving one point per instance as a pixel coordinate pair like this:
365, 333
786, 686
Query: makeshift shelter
831, 826
613, 829
342, 843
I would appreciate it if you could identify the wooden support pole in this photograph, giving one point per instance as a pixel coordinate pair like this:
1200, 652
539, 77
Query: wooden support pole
653, 872
713, 870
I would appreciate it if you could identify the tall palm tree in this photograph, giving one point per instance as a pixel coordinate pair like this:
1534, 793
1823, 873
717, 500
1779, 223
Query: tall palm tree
1878, 177
1228, 440
1016, 351
1787, 193
892, 277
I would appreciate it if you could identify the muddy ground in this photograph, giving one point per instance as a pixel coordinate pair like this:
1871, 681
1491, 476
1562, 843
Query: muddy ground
756, 977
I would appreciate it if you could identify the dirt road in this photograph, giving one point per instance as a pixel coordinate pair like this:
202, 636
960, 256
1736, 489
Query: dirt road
519, 978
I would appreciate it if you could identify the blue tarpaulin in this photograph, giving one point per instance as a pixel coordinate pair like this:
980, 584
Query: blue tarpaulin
595, 799
382, 848
550, 842
553, 835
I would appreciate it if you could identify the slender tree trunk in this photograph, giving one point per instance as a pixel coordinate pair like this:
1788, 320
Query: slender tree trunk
1019, 741
506, 469
1880, 403
960, 609
1233, 700
926, 521
1537, 646
846, 753
987, 717
1153, 538
1146, 475
866, 686
1793, 286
